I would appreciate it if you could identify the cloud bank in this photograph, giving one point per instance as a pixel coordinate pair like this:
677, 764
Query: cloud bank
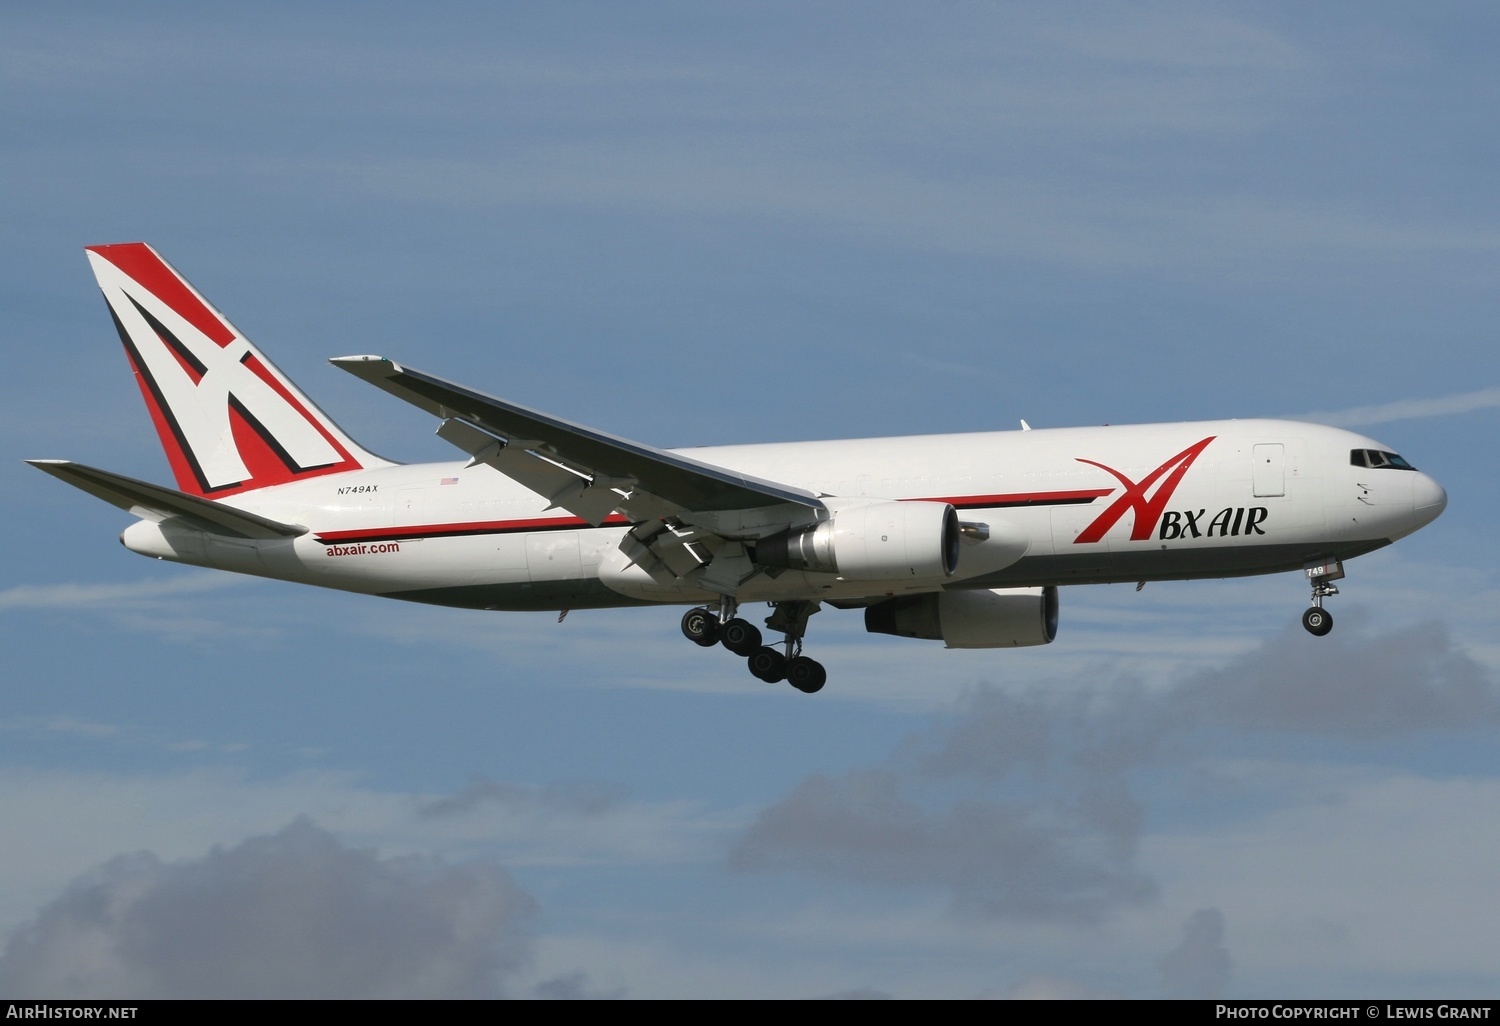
1408, 409
1029, 806
1199, 967
294, 914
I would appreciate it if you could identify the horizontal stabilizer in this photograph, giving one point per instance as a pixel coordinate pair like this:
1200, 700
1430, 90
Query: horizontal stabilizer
155, 503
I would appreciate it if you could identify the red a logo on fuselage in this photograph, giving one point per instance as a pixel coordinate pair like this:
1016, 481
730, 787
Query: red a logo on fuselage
1147, 510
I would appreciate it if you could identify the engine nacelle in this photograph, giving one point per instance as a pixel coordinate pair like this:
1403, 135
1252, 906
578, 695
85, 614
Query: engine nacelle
880, 541
997, 618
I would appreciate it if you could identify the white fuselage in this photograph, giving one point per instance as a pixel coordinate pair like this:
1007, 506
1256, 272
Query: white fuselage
1059, 506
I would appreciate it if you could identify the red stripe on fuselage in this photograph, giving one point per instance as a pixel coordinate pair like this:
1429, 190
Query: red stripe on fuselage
1011, 499
461, 530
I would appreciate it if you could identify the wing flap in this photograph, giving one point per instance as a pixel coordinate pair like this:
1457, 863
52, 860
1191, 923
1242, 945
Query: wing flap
153, 502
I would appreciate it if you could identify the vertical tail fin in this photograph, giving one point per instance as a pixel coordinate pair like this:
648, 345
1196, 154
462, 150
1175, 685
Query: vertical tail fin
228, 419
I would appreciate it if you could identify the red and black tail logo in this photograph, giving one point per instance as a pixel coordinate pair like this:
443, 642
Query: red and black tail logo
1147, 510
227, 418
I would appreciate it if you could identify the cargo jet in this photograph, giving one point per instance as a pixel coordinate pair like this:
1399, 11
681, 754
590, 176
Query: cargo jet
961, 538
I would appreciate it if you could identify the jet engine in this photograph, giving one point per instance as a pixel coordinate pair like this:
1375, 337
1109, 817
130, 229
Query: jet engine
996, 618
880, 541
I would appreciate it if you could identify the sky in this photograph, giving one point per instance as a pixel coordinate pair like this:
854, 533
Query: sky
687, 225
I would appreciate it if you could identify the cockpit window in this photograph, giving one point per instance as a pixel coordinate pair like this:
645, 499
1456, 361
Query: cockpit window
1378, 460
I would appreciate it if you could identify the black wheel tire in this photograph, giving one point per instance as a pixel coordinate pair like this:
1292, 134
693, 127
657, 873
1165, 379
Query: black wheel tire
700, 627
1317, 621
806, 675
767, 664
740, 636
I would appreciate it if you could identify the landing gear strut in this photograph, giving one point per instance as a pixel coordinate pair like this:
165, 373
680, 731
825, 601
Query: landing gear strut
702, 626
705, 627
1318, 620
804, 674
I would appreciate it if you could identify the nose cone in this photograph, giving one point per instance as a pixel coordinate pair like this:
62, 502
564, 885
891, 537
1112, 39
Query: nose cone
1427, 499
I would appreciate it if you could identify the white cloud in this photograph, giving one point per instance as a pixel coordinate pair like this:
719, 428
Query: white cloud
113, 596
1049, 988
1005, 860
61, 823
1408, 409
295, 914
1365, 871
1006, 214
1199, 967
1028, 806
172, 608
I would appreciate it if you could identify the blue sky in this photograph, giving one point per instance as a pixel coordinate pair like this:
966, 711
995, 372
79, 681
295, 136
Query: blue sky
694, 225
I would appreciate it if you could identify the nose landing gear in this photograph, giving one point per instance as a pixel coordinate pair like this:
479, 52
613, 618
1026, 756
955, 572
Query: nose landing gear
702, 626
1318, 620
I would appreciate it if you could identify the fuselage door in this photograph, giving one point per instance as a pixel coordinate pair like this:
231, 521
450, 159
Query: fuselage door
1268, 472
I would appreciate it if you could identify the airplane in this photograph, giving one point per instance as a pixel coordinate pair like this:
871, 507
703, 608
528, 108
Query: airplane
961, 538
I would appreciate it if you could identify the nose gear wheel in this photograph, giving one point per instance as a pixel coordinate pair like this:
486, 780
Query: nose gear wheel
1318, 620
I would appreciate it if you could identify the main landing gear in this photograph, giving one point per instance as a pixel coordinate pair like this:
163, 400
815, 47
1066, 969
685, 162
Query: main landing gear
1318, 620
704, 627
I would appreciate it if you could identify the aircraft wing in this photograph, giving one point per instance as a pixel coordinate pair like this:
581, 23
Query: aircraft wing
585, 471
155, 503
